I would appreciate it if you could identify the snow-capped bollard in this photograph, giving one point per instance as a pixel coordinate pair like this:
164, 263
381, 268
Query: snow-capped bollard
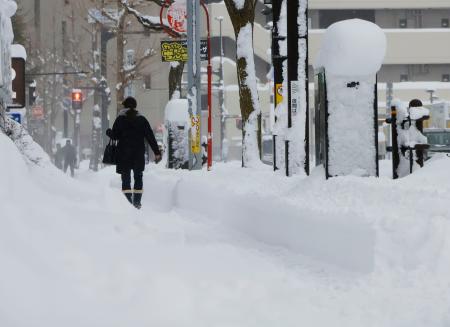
410, 143
176, 137
346, 109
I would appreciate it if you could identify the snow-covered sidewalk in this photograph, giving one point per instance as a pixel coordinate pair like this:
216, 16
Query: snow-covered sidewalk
232, 247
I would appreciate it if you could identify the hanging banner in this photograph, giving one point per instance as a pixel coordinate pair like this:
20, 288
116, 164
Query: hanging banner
177, 50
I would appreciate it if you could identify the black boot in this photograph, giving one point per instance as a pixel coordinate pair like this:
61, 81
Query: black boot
129, 197
137, 200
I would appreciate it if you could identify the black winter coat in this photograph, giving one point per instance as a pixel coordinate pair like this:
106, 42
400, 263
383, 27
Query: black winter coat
70, 153
131, 130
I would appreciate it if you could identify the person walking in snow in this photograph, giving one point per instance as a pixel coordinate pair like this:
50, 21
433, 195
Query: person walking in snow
131, 130
70, 157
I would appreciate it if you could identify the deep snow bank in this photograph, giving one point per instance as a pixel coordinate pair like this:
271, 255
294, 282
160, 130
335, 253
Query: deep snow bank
254, 204
360, 224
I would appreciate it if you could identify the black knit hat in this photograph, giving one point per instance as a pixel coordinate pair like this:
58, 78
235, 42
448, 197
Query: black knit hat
415, 103
130, 103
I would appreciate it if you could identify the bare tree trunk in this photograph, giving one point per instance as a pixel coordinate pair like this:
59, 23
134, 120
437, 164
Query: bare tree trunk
243, 18
175, 76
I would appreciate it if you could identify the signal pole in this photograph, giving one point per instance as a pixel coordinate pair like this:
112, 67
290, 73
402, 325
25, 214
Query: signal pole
194, 82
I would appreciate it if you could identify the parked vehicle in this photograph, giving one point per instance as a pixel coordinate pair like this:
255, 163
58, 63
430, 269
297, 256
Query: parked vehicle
439, 140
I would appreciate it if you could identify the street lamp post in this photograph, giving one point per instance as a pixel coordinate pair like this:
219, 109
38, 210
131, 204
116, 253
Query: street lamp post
221, 98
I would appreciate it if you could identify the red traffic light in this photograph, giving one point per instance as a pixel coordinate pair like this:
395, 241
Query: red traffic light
77, 96
77, 99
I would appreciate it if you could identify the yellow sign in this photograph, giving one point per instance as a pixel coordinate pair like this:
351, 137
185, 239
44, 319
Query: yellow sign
195, 134
177, 50
174, 51
278, 93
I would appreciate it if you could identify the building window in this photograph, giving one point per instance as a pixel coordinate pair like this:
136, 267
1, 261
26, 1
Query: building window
328, 17
403, 23
148, 82
445, 22
446, 78
404, 78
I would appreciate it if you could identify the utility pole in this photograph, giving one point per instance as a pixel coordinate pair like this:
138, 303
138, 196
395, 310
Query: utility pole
96, 129
221, 94
105, 36
194, 82
66, 91
277, 62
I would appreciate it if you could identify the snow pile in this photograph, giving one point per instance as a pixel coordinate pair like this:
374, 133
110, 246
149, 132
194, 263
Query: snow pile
352, 47
177, 111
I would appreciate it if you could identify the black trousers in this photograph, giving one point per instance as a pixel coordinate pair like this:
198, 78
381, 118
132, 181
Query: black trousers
126, 181
72, 167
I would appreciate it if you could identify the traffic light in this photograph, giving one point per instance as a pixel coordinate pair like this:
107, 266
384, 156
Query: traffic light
32, 94
77, 99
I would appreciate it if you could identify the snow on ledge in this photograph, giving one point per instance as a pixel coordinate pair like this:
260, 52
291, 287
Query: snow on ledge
352, 47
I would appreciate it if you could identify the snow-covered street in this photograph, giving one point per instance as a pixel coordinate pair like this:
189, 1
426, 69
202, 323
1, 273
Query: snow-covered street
228, 248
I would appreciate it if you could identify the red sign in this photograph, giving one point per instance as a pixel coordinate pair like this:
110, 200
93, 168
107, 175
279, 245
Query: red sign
177, 16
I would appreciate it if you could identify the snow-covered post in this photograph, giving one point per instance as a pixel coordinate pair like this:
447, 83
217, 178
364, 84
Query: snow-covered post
194, 81
176, 136
296, 143
411, 141
351, 54
96, 137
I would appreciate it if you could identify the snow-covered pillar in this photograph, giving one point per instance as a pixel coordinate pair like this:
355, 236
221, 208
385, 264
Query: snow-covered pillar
277, 63
194, 81
350, 56
296, 148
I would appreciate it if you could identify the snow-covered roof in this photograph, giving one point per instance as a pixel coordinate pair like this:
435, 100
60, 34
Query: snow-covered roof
352, 47
18, 51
